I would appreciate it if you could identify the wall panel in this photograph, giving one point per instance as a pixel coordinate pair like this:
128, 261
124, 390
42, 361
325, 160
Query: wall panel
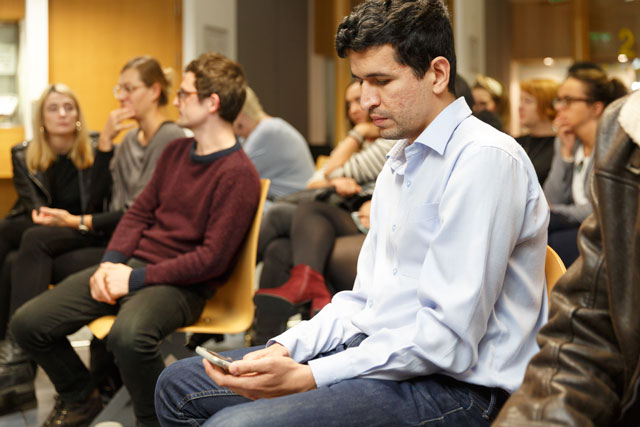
90, 41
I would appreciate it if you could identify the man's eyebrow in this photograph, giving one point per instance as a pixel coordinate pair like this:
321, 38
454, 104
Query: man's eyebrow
371, 75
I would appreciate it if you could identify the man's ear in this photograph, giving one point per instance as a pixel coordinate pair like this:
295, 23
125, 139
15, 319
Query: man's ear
441, 70
214, 103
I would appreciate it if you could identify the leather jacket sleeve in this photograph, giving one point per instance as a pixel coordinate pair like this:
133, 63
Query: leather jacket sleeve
29, 197
587, 370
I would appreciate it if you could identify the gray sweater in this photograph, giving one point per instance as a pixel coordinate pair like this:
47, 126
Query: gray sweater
131, 168
557, 187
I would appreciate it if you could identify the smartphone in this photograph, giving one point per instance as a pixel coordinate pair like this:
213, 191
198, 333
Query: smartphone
215, 358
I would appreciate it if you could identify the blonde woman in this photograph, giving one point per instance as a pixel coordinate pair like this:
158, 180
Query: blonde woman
54, 169
490, 95
51, 170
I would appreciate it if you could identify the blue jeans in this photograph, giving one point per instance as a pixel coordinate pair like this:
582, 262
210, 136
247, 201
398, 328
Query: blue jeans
186, 396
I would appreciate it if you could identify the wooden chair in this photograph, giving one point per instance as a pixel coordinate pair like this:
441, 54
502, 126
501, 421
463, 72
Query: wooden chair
231, 309
553, 269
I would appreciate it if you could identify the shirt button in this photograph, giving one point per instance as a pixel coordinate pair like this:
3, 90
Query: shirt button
395, 271
408, 183
393, 227
370, 303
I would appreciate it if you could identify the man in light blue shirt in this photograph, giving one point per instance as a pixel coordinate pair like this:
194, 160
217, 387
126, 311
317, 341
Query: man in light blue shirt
450, 291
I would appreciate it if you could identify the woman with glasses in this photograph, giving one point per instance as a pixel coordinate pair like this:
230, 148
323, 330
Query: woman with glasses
581, 100
536, 115
72, 239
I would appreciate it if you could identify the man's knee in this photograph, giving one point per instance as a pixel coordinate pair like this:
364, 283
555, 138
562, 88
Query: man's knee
25, 324
127, 338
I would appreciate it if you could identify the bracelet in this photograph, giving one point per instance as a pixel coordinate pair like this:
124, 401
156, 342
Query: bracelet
82, 227
356, 135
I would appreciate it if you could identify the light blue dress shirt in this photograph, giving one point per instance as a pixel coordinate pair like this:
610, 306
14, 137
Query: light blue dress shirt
451, 275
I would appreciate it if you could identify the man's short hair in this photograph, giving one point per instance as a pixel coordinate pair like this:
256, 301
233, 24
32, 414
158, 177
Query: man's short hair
215, 73
418, 31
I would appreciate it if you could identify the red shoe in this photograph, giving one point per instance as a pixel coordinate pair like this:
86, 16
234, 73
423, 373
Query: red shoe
304, 285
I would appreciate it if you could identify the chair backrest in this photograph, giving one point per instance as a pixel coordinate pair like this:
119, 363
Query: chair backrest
230, 309
553, 269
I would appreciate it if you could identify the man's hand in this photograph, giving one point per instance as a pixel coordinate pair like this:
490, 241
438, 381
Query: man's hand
263, 377
98, 285
55, 217
117, 279
346, 187
274, 350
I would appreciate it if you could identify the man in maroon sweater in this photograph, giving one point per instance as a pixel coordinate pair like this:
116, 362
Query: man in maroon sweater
170, 250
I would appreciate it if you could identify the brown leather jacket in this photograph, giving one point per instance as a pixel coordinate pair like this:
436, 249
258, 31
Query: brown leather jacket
588, 369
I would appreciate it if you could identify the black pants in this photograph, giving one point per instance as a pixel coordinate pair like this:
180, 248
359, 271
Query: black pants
563, 238
144, 318
305, 234
33, 268
11, 231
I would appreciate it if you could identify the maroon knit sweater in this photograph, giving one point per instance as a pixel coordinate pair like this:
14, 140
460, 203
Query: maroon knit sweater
191, 219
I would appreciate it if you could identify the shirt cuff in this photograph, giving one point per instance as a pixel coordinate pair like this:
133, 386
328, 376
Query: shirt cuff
114, 257
136, 279
332, 369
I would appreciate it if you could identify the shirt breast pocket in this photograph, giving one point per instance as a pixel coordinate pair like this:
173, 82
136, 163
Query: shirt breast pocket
422, 225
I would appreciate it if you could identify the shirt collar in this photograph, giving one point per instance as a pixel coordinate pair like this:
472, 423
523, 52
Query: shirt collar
436, 135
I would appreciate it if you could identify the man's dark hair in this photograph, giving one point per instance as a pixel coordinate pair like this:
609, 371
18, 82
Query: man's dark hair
583, 65
418, 31
215, 73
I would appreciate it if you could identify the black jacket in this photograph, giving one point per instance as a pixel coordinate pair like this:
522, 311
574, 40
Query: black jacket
34, 189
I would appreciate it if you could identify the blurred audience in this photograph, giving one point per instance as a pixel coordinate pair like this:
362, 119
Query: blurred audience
490, 95
171, 249
73, 241
586, 372
56, 170
296, 242
536, 116
277, 149
359, 157
581, 99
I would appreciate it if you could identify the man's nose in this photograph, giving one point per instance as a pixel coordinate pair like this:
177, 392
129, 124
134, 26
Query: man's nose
369, 97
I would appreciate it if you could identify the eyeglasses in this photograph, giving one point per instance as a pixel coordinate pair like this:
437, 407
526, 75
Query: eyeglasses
124, 90
55, 108
183, 94
566, 101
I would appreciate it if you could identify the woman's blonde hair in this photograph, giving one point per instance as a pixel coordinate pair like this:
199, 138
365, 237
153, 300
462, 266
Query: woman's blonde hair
39, 153
544, 91
499, 96
252, 107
